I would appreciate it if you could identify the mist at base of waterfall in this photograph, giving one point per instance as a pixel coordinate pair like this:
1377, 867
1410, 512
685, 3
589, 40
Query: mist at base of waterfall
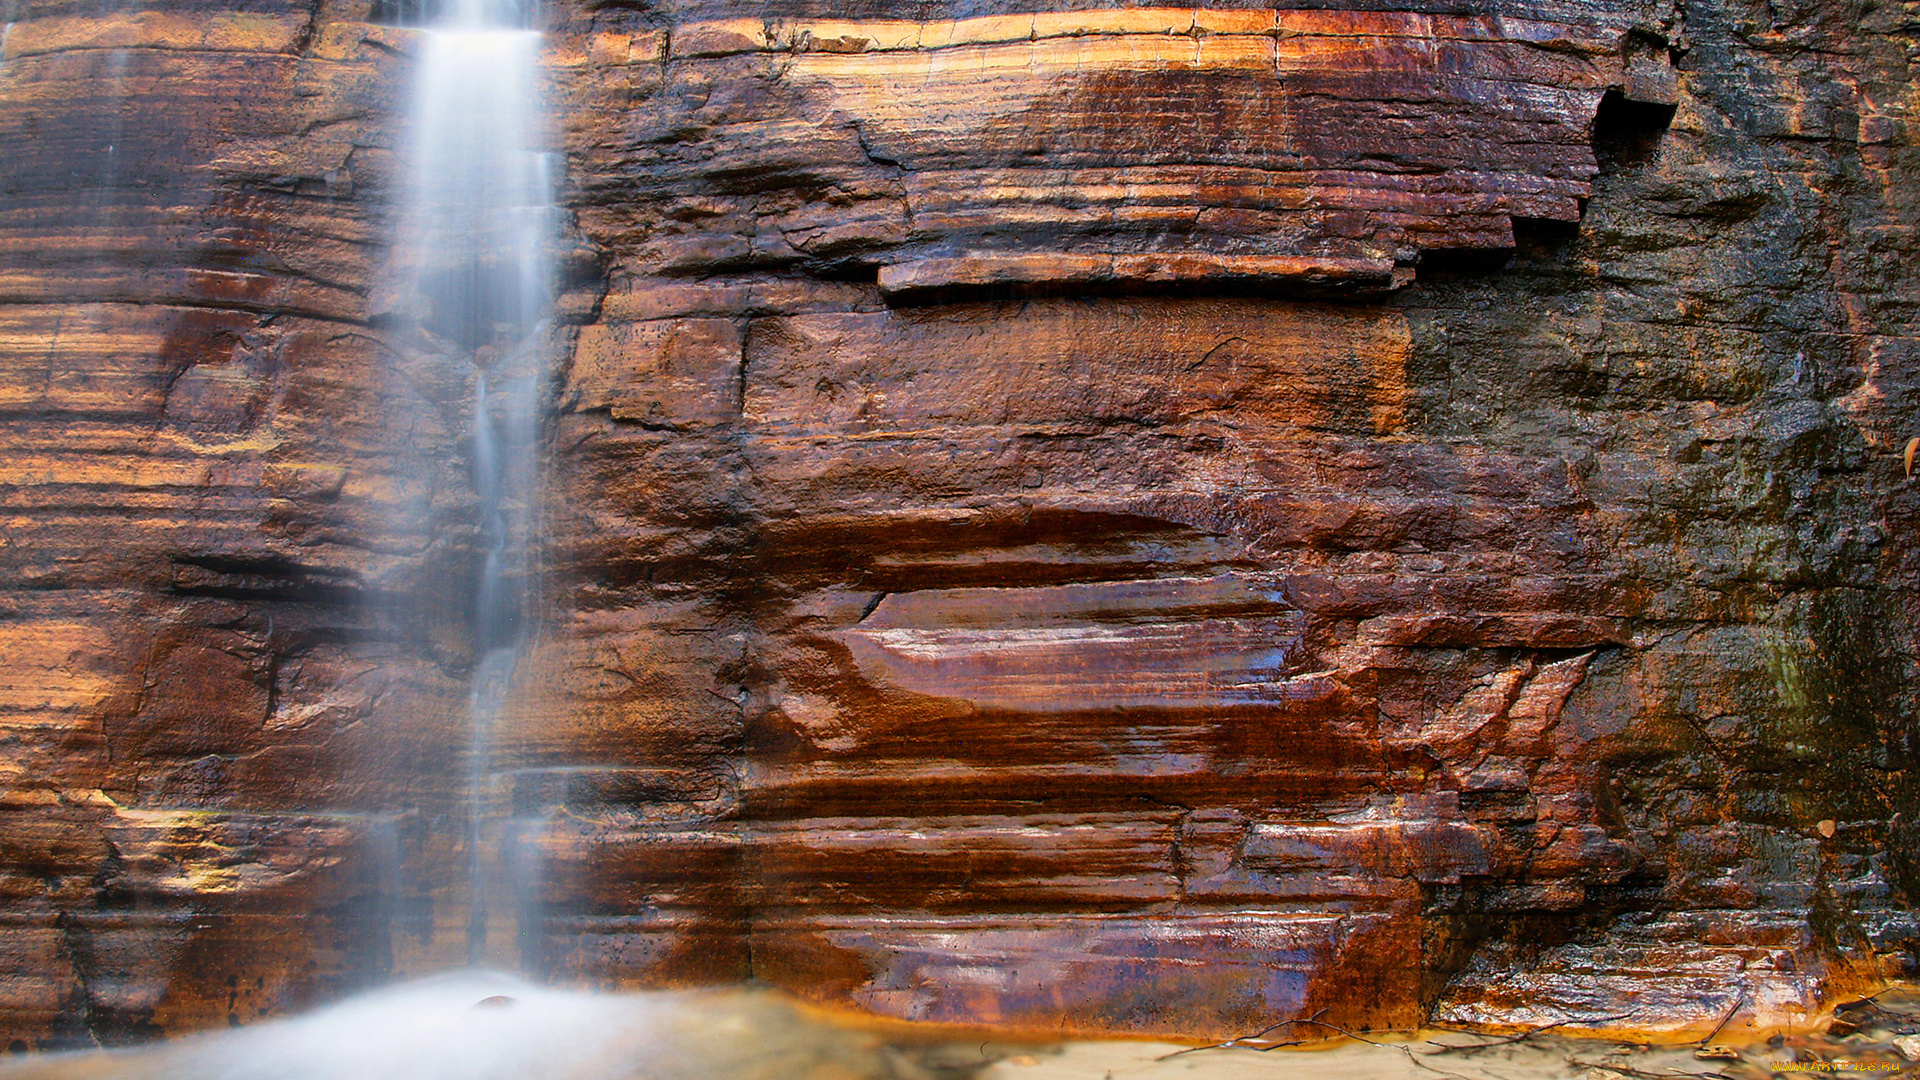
486, 1026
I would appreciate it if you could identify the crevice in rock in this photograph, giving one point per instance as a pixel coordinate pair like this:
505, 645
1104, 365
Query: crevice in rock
1627, 133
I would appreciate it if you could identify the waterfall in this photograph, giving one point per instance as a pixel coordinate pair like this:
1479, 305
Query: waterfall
479, 231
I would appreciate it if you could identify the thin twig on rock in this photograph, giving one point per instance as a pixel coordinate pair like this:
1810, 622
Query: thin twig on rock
1412, 1057
1242, 1040
1737, 1002
1628, 1070
1448, 1048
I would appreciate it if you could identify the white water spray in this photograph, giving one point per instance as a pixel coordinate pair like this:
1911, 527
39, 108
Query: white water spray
485, 1026
481, 227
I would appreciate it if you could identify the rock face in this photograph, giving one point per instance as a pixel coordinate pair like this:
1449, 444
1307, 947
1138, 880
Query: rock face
1085, 518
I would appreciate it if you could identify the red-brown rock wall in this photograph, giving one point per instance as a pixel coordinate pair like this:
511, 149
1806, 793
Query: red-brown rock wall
1098, 519
234, 531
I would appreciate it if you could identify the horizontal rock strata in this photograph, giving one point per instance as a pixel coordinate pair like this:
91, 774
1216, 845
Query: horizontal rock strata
1105, 520
235, 529
1093, 150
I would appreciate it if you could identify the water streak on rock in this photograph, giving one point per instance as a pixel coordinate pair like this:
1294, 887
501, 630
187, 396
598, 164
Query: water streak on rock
479, 221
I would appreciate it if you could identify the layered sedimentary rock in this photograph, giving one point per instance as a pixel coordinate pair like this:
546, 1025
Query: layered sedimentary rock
234, 527
1090, 518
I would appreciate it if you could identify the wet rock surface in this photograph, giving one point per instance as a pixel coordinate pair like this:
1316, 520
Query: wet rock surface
1088, 519
437, 1029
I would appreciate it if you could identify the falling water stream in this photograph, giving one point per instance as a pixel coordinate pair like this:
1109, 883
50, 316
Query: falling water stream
481, 222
